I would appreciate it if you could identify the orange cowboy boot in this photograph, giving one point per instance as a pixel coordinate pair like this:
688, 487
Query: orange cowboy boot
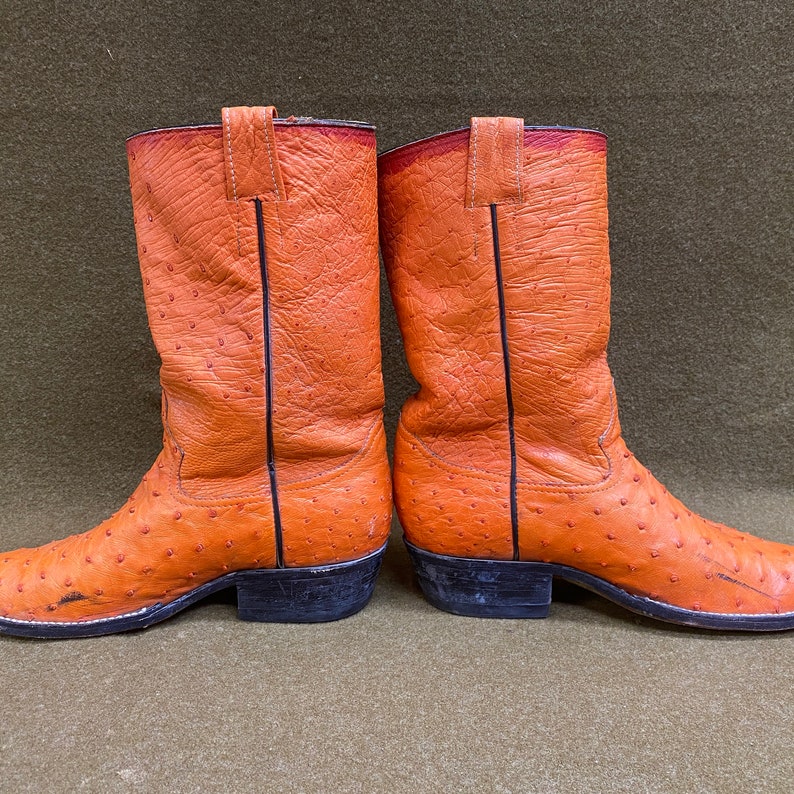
509, 465
257, 241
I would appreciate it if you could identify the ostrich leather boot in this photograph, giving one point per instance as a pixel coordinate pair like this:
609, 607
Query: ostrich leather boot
509, 465
257, 241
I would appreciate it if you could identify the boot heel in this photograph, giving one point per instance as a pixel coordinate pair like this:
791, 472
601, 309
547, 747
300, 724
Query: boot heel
307, 595
483, 588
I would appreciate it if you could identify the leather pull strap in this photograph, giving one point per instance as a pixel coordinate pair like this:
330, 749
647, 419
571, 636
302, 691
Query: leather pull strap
496, 157
249, 145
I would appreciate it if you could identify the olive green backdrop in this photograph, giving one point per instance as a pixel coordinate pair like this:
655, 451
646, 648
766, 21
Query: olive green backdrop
697, 101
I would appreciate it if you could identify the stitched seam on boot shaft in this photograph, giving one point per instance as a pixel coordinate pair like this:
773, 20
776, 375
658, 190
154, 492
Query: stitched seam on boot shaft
256, 499
611, 480
375, 430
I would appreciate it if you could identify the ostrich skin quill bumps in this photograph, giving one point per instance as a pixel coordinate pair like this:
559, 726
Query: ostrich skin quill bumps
509, 465
257, 241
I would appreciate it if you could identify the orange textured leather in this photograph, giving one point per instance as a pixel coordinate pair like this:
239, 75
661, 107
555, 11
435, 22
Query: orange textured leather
252, 164
205, 507
582, 499
495, 167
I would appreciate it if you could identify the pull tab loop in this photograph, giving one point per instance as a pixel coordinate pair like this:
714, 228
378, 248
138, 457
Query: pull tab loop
250, 156
496, 159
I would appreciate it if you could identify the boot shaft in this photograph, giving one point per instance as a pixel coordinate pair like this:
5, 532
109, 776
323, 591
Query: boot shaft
258, 242
496, 247
509, 468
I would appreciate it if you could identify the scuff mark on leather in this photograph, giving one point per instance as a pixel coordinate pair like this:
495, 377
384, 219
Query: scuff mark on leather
75, 595
730, 579
727, 578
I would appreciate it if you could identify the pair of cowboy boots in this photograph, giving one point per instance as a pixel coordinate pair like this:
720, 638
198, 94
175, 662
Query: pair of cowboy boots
258, 244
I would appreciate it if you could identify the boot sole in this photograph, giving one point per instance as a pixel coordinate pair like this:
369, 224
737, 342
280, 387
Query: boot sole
508, 589
265, 595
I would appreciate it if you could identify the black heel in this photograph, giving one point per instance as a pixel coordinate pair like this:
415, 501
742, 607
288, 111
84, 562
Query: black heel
307, 595
483, 588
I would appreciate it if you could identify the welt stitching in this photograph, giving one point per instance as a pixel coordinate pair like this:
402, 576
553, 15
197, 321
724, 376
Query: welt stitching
749, 615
